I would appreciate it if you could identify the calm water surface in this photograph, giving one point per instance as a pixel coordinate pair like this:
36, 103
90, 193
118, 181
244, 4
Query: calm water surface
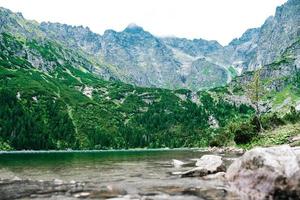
98, 166
134, 170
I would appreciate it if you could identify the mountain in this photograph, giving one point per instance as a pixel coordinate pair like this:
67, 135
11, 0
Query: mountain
50, 99
196, 47
279, 80
65, 87
137, 57
262, 46
145, 60
133, 55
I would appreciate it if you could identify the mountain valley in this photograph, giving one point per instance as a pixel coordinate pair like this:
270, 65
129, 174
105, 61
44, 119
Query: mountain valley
66, 87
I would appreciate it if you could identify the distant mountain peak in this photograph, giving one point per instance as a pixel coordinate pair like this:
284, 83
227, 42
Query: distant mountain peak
133, 28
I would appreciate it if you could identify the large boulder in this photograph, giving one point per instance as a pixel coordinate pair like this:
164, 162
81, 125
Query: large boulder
207, 164
210, 162
266, 173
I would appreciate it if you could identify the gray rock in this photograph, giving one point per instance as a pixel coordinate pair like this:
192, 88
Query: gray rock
82, 195
216, 176
207, 164
266, 173
210, 162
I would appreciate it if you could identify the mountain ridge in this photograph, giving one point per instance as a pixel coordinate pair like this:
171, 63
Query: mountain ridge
91, 44
137, 57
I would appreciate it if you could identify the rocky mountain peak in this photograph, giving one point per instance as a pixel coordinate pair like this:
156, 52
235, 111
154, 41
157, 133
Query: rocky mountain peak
133, 28
246, 37
5, 10
73, 36
109, 32
195, 47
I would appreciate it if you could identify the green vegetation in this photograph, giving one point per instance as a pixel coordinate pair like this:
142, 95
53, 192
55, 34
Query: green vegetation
49, 99
247, 134
60, 105
276, 85
277, 130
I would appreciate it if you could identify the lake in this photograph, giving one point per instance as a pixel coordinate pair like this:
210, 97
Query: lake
138, 172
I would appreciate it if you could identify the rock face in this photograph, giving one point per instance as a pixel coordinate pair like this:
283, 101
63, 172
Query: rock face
73, 36
262, 46
162, 62
142, 56
266, 173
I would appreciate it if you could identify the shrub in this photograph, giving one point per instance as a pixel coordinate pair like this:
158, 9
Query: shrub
245, 132
272, 121
4, 146
219, 140
293, 116
224, 136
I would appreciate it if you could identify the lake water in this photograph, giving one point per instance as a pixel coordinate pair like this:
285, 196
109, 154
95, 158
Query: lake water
136, 171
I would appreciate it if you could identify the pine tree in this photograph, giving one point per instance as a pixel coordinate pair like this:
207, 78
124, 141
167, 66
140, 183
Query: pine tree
254, 92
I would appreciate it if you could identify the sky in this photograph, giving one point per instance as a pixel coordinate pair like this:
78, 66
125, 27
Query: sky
220, 20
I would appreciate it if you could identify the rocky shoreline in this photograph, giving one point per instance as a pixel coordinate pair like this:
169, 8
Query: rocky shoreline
260, 173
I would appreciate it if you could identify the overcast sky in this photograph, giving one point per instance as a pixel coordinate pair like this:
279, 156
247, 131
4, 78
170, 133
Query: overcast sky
220, 20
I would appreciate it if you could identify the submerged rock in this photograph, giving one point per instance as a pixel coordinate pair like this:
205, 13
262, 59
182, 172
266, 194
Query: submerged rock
266, 173
56, 189
110, 191
57, 182
179, 163
82, 195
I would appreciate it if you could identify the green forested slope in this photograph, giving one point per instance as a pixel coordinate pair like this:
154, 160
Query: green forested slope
49, 100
